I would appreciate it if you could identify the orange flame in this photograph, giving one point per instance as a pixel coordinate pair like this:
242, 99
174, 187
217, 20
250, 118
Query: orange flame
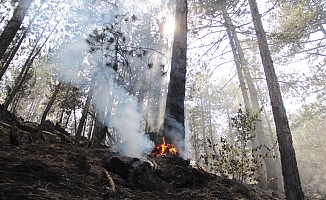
201, 168
163, 149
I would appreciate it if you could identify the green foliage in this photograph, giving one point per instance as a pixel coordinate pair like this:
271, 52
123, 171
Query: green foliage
117, 50
299, 28
110, 41
237, 160
244, 123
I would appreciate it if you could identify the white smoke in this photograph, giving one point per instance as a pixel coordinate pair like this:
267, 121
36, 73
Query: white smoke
114, 105
70, 62
120, 110
127, 120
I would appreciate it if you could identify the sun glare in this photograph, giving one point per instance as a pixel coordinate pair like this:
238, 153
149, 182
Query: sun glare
169, 26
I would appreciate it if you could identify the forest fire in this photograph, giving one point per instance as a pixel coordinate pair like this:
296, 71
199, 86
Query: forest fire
164, 148
201, 168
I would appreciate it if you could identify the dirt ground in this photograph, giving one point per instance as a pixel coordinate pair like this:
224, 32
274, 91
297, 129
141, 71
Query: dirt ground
56, 169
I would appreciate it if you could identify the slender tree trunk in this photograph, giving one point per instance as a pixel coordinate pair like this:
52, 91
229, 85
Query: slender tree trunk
31, 111
28, 115
65, 99
24, 72
174, 112
270, 167
194, 138
13, 25
8, 58
91, 126
211, 126
15, 102
84, 115
67, 120
75, 122
243, 88
292, 183
61, 116
203, 124
277, 160
11, 55
276, 153
237, 52
196, 143
47, 109
96, 131
19, 82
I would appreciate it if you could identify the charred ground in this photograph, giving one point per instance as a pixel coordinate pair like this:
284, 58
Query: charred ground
54, 168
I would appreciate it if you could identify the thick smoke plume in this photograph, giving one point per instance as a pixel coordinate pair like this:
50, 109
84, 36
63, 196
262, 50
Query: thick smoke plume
115, 106
120, 110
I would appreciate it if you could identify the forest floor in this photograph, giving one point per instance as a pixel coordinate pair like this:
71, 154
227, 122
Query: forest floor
53, 169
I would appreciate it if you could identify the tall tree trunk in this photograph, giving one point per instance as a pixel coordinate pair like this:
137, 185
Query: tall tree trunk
12, 54
228, 26
63, 110
193, 138
24, 72
13, 25
239, 61
292, 183
96, 131
270, 166
19, 81
8, 58
67, 120
211, 125
75, 122
276, 153
28, 114
47, 109
84, 115
89, 134
174, 112
203, 124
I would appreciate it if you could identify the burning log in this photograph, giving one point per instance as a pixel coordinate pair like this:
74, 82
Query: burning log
154, 173
163, 149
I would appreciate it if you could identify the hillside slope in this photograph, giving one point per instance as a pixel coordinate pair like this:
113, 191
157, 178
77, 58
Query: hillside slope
56, 169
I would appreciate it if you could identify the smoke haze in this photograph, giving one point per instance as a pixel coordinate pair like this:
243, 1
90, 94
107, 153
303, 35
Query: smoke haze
114, 104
